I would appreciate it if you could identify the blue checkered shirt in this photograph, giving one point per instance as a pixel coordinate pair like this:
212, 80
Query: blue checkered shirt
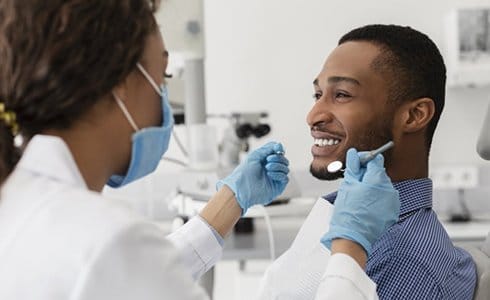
415, 258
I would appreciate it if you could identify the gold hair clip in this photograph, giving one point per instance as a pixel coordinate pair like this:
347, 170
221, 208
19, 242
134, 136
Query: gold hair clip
9, 118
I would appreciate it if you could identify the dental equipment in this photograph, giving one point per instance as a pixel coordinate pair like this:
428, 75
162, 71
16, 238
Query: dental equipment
483, 145
337, 165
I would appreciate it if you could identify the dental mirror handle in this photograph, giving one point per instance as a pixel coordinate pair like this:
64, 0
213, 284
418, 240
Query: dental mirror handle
372, 154
337, 165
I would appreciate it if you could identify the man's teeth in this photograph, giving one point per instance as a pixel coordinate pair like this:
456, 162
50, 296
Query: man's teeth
326, 142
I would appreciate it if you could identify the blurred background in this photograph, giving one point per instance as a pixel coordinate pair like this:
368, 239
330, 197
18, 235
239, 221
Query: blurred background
245, 71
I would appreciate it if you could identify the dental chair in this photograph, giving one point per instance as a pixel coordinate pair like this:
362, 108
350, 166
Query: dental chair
481, 255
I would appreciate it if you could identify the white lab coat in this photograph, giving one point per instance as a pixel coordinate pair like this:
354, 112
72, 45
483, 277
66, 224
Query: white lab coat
58, 240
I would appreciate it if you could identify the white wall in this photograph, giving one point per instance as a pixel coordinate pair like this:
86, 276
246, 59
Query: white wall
264, 54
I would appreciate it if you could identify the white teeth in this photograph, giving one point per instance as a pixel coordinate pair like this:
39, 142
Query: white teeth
326, 142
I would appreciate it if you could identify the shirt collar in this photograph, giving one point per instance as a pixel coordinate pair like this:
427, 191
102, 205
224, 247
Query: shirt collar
415, 194
49, 156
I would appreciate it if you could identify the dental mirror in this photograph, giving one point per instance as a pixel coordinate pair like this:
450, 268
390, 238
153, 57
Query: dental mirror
337, 165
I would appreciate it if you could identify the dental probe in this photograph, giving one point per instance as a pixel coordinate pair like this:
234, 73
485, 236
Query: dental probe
337, 165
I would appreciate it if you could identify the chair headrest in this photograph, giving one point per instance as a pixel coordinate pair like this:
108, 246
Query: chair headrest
483, 144
486, 246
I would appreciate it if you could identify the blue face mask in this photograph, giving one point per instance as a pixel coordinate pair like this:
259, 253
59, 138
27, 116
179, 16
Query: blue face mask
148, 144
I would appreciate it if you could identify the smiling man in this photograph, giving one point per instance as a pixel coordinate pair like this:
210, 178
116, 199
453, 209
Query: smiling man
382, 82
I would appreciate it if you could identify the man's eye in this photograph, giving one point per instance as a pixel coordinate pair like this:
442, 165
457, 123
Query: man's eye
317, 96
342, 95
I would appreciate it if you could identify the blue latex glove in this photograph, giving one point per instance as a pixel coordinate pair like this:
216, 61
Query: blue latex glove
260, 178
366, 205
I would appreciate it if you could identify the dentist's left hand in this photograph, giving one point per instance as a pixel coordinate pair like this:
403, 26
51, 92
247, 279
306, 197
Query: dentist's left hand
260, 178
367, 204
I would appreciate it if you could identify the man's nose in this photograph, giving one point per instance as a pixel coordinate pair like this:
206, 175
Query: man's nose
319, 113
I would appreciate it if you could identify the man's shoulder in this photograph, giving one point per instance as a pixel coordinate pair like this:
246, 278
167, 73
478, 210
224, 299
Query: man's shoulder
419, 247
421, 231
419, 236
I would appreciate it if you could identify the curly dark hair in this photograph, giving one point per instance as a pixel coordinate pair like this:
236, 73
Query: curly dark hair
413, 62
59, 57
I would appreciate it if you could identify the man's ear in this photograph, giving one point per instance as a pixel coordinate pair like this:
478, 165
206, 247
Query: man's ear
415, 115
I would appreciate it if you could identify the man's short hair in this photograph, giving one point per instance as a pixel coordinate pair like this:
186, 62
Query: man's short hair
413, 63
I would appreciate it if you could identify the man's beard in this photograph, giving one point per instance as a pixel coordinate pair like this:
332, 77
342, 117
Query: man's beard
373, 138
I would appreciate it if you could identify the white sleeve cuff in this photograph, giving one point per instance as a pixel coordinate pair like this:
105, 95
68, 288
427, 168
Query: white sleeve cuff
198, 246
344, 267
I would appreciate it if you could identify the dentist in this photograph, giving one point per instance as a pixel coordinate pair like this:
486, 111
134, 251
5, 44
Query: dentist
83, 83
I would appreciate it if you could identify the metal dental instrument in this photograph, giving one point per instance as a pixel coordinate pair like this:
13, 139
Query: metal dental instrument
337, 165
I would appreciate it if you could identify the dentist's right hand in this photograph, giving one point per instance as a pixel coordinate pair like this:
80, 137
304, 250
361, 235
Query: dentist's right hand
260, 178
366, 205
